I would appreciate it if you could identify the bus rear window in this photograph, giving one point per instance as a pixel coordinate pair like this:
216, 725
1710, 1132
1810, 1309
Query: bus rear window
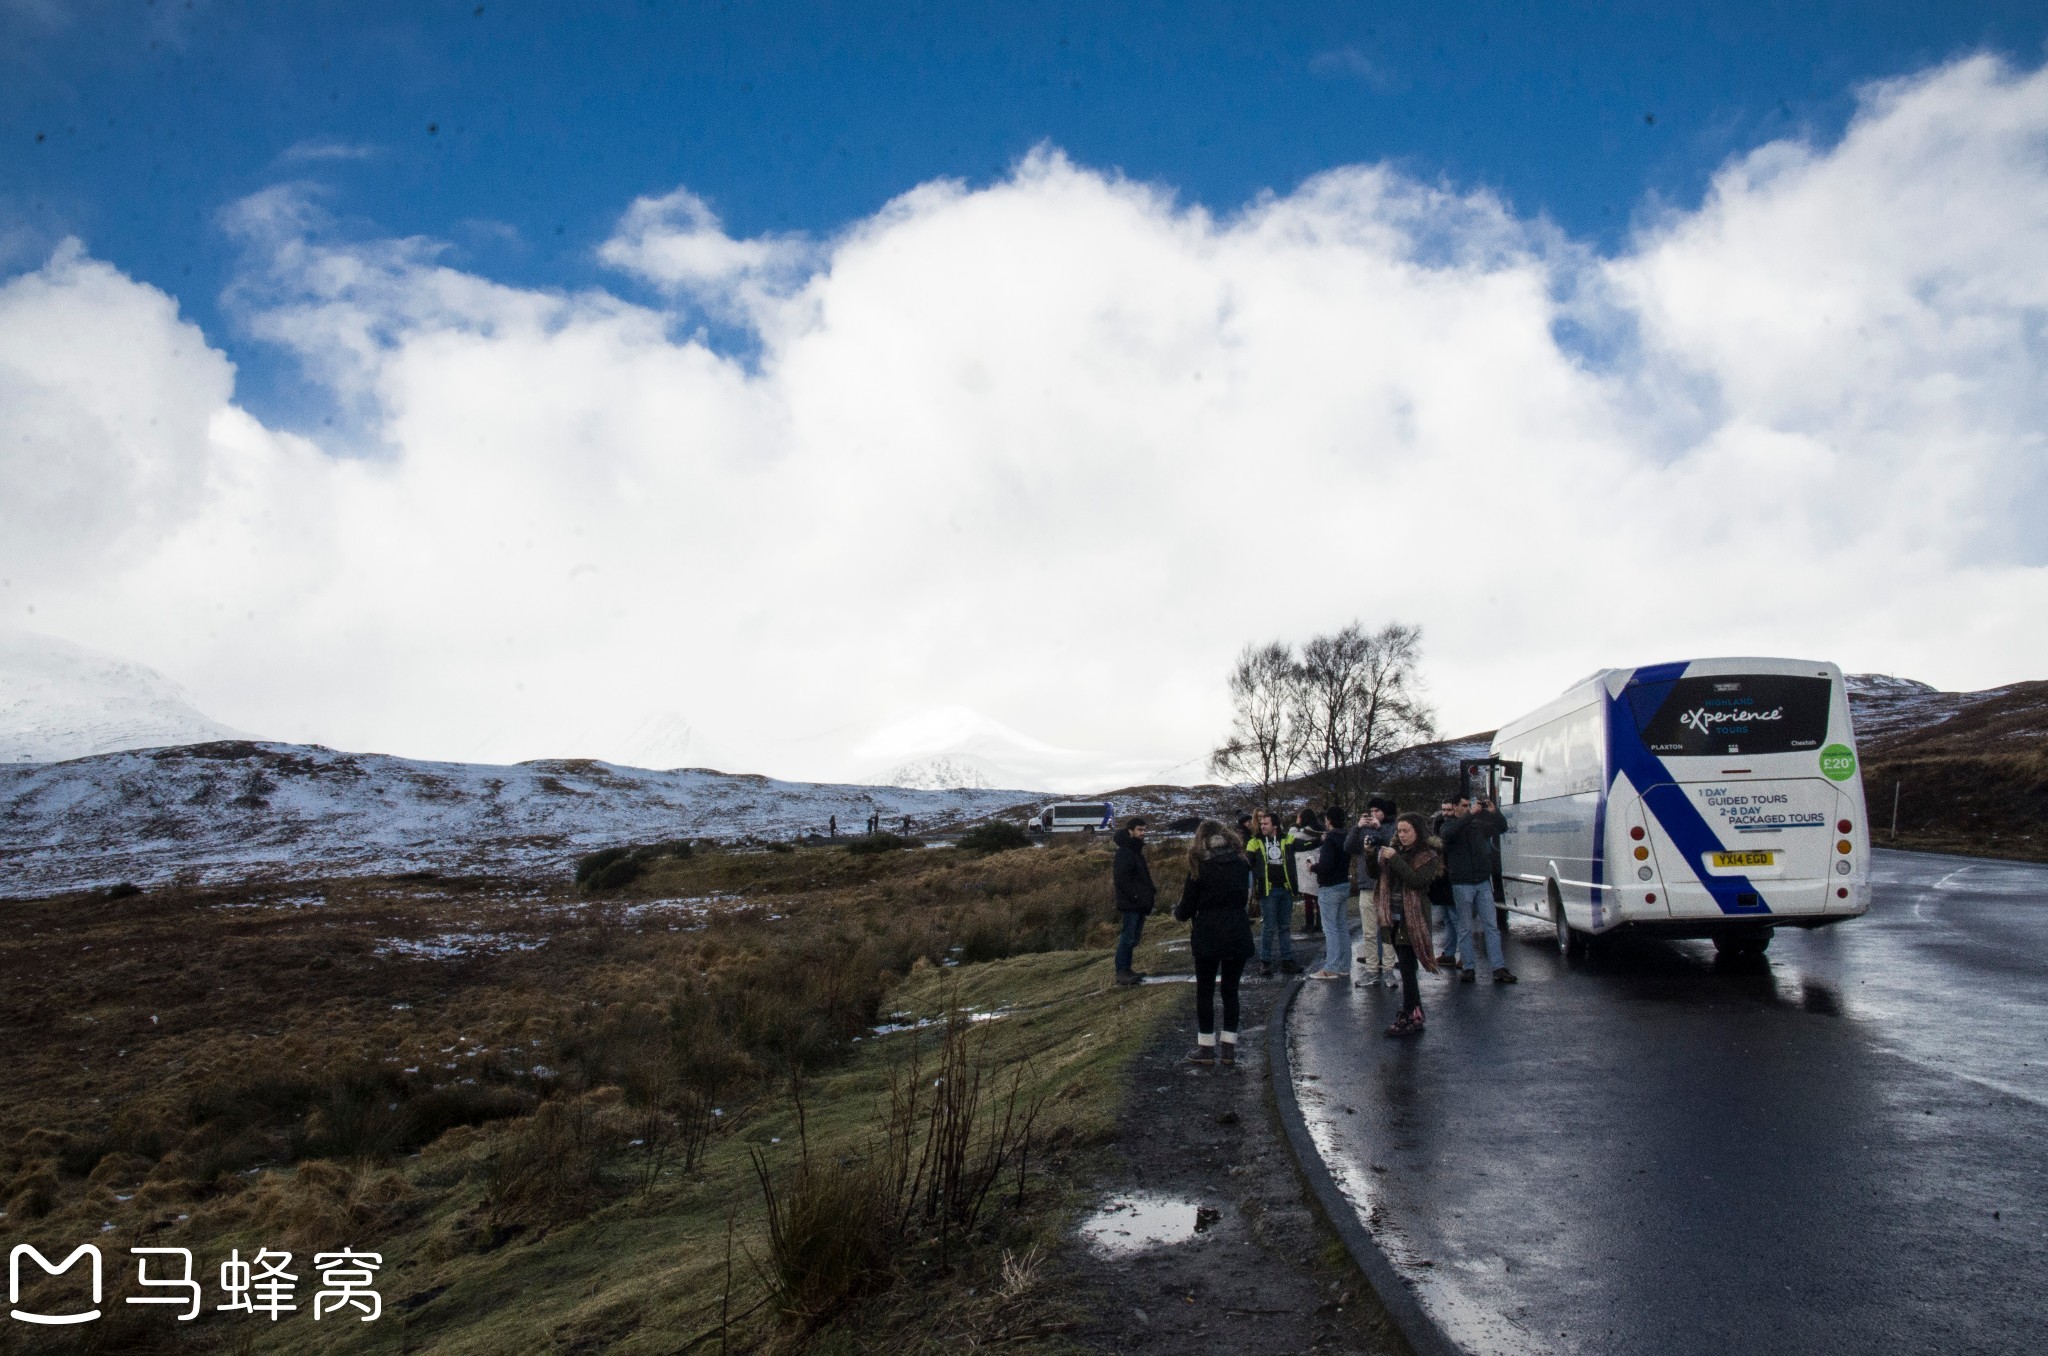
1079, 811
1732, 715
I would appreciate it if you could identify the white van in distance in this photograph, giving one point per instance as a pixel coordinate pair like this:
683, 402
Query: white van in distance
1716, 798
1075, 817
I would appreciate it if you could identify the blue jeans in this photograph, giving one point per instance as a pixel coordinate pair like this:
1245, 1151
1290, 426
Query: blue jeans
1134, 928
1335, 903
1447, 915
1470, 899
1278, 921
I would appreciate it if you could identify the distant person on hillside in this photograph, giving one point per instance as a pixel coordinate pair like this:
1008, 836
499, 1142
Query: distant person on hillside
1401, 900
1469, 837
1213, 899
1333, 886
832, 827
1131, 879
906, 826
1272, 854
1308, 837
1440, 895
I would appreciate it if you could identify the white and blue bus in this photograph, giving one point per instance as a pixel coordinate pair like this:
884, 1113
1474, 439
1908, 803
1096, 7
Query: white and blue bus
1715, 798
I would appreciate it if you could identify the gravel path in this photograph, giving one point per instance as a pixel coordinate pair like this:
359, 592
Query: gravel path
1260, 1273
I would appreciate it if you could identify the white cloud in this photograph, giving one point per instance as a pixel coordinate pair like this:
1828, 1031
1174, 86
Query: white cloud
1349, 63
325, 148
678, 243
1054, 448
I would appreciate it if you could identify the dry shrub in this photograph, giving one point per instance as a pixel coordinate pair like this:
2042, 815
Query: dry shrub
33, 1192
952, 1139
325, 1205
828, 1238
555, 1164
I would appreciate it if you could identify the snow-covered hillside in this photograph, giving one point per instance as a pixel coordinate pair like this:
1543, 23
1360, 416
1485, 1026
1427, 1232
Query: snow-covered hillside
59, 700
237, 810
1884, 707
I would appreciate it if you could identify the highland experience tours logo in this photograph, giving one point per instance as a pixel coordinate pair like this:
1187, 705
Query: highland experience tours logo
1703, 719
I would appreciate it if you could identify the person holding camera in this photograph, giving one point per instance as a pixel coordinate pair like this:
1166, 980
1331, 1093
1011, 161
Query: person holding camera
1401, 899
1375, 830
1332, 870
1469, 834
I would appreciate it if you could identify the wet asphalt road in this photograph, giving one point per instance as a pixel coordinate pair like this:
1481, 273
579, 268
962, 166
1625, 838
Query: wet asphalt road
1840, 1148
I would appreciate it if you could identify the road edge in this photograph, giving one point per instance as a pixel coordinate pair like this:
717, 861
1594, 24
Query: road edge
1424, 1335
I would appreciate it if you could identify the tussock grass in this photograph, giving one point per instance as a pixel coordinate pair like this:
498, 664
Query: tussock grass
587, 1125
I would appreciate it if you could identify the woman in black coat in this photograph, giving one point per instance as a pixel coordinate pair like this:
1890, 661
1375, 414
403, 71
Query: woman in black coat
1213, 898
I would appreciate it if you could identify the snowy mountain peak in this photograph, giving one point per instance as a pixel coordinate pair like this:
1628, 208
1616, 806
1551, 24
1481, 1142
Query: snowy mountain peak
60, 701
1883, 686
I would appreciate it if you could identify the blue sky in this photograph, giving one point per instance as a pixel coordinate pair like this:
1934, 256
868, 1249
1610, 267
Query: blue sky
814, 390
518, 132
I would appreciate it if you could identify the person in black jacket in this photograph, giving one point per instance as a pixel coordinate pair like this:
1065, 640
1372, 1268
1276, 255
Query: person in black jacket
1219, 881
1470, 839
1333, 887
1440, 896
1132, 880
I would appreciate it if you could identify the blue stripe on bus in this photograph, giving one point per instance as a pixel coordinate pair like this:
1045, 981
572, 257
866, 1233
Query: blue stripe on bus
1667, 802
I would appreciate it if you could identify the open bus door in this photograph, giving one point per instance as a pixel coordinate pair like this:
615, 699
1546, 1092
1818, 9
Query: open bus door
1500, 781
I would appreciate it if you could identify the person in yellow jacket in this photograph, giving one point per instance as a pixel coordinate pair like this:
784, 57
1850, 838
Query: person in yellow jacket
1271, 850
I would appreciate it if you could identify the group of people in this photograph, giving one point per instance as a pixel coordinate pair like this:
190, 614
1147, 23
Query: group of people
1418, 875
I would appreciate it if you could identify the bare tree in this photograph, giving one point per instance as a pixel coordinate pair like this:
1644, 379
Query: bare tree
1352, 698
1388, 710
1266, 736
1334, 671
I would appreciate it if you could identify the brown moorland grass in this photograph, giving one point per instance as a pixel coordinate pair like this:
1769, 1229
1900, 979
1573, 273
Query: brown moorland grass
562, 1118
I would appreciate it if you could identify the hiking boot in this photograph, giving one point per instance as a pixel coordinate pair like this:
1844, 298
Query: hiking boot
1126, 978
1446, 961
1201, 1054
1505, 976
1468, 976
1226, 1053
1265, 969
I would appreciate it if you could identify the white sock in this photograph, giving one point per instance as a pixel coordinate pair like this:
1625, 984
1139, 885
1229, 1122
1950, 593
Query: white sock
1230, 1038
1205, 1038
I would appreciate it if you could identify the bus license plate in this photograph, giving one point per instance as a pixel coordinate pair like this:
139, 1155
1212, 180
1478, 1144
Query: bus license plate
1745, 859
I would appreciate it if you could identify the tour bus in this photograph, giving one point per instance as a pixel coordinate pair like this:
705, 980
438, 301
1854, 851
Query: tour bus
1072, 818
1713, 798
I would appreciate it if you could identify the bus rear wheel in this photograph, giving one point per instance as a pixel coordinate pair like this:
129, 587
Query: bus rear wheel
1743, 943
1571, 943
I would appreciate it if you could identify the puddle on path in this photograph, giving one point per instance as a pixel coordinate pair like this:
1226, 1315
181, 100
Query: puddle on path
1142, 1220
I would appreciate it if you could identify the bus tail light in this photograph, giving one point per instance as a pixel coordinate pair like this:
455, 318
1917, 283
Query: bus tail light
1637, 833
1650, 898
1843, 847
1842, 893
1843, 827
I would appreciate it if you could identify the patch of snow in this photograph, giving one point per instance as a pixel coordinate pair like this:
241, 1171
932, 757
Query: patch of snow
241, 810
